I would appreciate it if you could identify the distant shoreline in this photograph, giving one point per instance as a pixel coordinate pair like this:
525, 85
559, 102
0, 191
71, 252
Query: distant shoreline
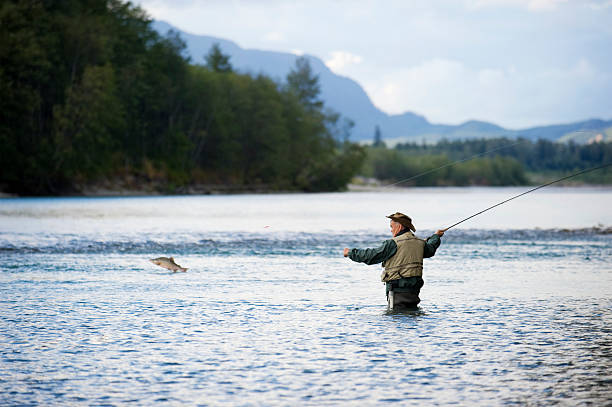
101, 192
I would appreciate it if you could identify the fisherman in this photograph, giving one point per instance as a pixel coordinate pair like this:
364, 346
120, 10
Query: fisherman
402, 257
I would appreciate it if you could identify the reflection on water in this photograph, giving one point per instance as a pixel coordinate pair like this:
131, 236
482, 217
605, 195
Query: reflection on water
516, 316
415, 312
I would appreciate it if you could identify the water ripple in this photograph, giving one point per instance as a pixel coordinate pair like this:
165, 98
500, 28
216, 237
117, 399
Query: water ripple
508, 317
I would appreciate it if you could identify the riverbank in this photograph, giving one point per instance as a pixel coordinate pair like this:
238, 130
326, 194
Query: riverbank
132, 186
137, 186
101, 192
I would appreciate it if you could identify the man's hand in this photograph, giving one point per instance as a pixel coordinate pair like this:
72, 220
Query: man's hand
440, 232
346, 251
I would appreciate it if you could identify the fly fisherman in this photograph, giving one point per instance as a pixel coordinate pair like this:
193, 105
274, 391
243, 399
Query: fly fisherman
402, 257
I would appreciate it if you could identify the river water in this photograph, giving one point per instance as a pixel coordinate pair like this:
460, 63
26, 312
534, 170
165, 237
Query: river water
516, 307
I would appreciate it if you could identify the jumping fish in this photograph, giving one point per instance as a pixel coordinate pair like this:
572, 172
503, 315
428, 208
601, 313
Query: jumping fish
168, 263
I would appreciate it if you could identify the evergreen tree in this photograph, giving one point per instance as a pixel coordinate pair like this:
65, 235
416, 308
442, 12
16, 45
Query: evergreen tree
302, 81
217, 61
378, 138
91, 93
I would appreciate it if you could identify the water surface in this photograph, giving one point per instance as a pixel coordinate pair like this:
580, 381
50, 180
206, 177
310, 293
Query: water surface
517, 303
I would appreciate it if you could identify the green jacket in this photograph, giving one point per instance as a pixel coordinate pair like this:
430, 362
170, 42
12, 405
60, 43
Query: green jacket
388, 249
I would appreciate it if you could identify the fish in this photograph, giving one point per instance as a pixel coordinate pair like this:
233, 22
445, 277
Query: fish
168, 263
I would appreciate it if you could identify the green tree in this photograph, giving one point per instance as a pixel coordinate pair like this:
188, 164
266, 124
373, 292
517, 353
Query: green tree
91, 91
378, 138
302, 82
216, 61
393, 165
86, 124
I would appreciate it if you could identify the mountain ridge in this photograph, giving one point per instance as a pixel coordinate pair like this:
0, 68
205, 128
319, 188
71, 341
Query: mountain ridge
348, 98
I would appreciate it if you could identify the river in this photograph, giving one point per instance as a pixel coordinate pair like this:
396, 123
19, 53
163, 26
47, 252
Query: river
516, 307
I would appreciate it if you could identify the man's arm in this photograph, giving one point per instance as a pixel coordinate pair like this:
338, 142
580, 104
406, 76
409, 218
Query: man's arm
432, 243
372, 256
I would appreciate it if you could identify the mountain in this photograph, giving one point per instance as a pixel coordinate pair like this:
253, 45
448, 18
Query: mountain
342, 94
347, 97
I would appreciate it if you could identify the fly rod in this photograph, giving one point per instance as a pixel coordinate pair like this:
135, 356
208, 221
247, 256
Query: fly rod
531, 190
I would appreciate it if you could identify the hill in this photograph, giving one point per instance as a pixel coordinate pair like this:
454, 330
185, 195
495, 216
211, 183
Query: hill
94, 99
347, 97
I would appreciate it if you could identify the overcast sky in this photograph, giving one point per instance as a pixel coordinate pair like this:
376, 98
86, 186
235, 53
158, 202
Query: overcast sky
517, 63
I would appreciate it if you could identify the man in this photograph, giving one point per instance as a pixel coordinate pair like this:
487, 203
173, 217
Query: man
402, 257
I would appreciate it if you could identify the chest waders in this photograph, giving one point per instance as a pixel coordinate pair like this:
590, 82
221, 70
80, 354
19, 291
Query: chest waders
403, 272
404, 292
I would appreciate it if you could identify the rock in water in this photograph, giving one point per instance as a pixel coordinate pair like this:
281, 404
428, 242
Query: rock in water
168, 263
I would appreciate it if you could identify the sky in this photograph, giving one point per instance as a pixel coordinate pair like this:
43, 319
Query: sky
516, 63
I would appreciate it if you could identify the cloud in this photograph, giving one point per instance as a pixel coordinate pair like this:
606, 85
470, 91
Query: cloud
449, 91
533, 5
429, 88
341, 59
600, 4
544, 4
274, 36
516, 62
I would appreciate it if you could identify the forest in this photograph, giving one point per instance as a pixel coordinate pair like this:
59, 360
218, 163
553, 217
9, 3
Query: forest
500, 161
91, 93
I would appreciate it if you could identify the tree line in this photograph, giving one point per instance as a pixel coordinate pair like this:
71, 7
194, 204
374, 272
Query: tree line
500, 161
540, 155
91, 92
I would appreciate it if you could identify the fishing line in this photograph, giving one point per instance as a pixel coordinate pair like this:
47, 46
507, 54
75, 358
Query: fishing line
531, 190
453, 163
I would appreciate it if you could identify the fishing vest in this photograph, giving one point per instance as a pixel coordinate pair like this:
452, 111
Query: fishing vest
407, 261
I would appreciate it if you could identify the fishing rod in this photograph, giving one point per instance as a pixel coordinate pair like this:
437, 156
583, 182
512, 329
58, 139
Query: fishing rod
531, 190
453, 163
